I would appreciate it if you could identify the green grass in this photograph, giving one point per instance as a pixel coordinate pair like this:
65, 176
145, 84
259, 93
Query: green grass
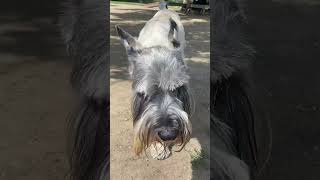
197, 158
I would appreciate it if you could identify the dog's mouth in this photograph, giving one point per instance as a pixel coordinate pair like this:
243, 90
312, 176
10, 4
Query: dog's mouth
161, 151
158, 148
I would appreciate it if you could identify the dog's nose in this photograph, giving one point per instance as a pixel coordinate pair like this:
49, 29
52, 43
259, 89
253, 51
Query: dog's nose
168, 134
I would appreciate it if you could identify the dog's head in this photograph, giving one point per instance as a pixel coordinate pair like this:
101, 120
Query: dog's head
161, 104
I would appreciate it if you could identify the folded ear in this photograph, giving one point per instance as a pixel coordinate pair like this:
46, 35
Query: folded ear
129, 42
173, 26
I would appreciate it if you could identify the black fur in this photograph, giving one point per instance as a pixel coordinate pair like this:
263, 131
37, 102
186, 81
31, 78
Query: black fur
232, 55
183, 95
139, 103
85, 31
232, 115
173, 27
232, 106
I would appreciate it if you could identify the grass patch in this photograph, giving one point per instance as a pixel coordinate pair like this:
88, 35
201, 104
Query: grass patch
197, 158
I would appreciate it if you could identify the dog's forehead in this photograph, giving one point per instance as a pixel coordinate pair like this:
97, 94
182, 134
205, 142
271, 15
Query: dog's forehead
160, 69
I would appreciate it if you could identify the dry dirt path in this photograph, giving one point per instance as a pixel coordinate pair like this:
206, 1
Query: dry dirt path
35, 99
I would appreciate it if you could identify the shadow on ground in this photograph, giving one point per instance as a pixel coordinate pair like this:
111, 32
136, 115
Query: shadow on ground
35, 92
30, 29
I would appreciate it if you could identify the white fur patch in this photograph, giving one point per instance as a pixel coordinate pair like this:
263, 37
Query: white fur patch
155, 32
159, 152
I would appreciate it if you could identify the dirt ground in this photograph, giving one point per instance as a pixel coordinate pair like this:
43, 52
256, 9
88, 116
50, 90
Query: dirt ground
35, 96
181, 165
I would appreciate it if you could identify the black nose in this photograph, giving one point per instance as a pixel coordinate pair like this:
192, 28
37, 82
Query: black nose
168, 134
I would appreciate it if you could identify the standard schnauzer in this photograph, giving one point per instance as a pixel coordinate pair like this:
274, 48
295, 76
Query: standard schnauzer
84, 28
234, 144
161, 103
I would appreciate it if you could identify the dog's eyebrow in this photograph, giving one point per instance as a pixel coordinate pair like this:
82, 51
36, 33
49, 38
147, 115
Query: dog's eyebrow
177, 87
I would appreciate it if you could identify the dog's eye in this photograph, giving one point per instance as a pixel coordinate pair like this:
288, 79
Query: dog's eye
174, 92
177, 91
141, 94
175, 43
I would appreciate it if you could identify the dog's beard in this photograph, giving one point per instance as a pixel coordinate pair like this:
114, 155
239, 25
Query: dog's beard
145, 134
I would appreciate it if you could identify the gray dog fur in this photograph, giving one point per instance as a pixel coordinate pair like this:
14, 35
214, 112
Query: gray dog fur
161, 101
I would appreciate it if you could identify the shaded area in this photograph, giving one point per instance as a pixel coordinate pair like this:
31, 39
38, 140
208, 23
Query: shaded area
287, 40
29, 28
35, 93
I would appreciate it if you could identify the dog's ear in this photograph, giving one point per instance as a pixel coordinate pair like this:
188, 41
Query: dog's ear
129, 42
173, 26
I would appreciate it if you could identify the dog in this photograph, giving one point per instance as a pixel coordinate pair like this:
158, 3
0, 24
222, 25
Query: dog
234, 145
84, 30
161, 101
